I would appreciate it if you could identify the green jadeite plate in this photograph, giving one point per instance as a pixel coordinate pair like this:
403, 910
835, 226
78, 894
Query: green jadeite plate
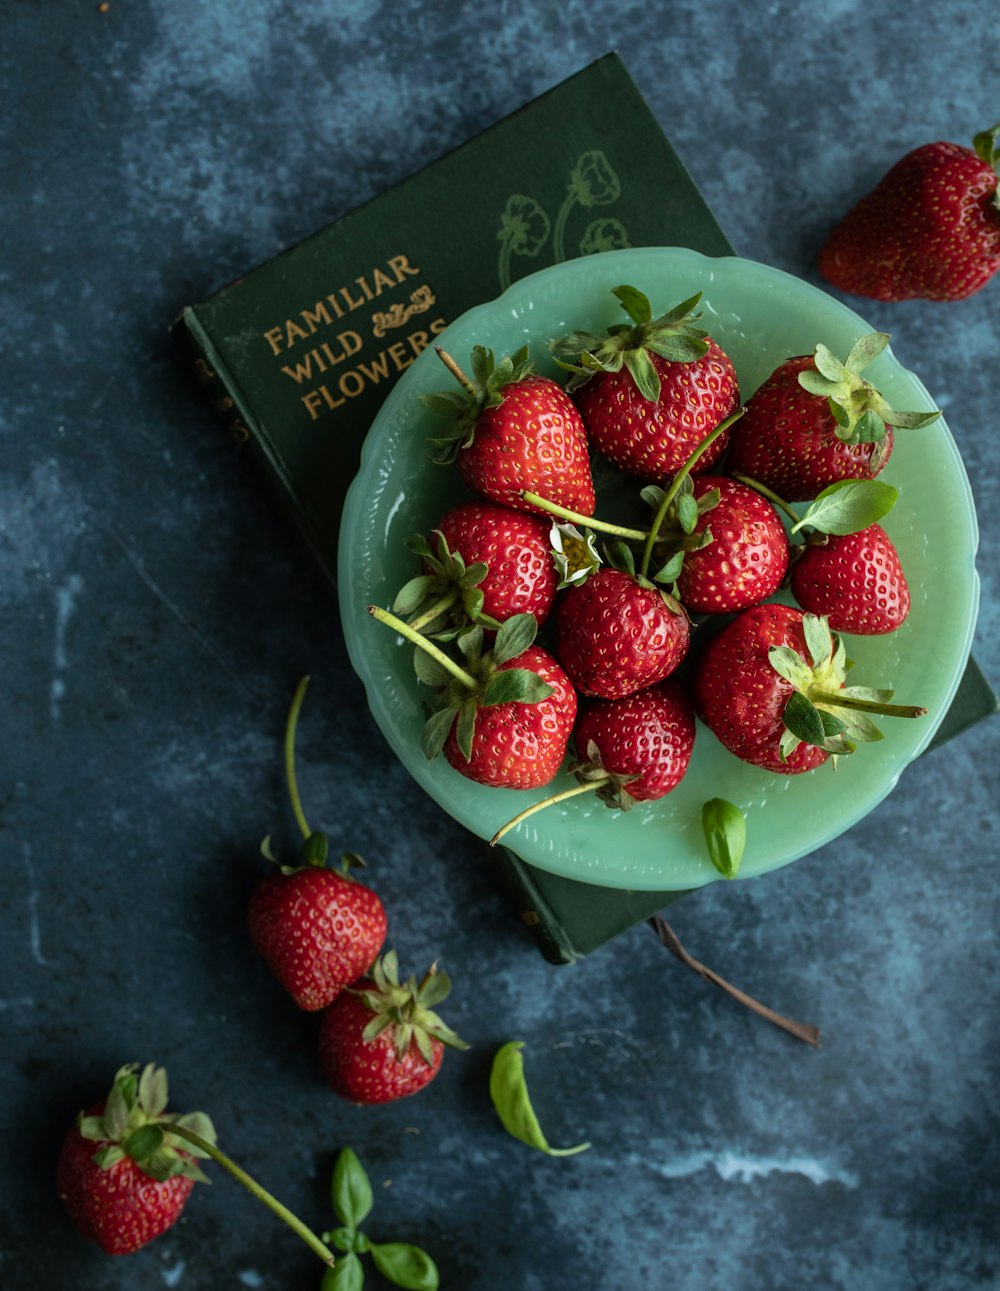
760, 316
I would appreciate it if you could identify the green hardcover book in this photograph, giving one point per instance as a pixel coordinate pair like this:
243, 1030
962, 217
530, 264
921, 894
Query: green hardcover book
298, 354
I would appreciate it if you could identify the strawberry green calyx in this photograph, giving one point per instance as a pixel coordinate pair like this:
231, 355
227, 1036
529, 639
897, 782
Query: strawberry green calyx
482, 683
821, 710
408, 1008
859, 411
672, 336
446, 599
135, 1123
985, 146
484, 389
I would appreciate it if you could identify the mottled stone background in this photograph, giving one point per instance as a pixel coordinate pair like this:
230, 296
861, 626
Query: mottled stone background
156, 614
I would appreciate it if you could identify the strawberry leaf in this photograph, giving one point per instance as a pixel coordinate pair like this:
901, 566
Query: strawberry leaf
868, 429
635, 304
865, 349
429, 670
643, 373
819, 642
516, 635
436, 731
465, 728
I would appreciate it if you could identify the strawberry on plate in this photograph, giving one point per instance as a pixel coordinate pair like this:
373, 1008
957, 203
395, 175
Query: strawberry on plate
816, 420
856, 580
617, 633
770, 686
123, 1178
504, 718
652, 390
746, 558
381, 1039
514, 431
483, 564
930, 228
633, 749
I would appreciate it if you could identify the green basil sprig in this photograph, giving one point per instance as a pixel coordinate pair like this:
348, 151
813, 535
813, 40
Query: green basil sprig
725, 829
400, 1263
509, 1093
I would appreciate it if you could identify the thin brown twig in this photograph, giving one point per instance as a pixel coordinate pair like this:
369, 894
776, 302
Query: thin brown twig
801, 1030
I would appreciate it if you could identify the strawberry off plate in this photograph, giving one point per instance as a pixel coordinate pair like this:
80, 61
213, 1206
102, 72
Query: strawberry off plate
760, 316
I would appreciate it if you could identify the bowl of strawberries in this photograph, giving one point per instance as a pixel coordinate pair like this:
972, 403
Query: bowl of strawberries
651, 542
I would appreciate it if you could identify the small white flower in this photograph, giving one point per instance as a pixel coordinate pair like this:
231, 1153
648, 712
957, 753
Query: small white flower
574, 553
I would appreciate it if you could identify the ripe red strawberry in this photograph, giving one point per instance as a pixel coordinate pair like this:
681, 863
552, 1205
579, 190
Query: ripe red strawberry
856, 580
617, 633
121, 1175
651, 392
636, 749
770, 686
514, 431
381, 1040
816, 420
633, 749
518, 745
317, 929
747, 557
483, 564
930, 227
505, 718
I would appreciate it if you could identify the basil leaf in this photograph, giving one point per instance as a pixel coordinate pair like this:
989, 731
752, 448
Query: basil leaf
346, 1275
725, 830
848, 506
405, 1265
509, 1094
350, 1189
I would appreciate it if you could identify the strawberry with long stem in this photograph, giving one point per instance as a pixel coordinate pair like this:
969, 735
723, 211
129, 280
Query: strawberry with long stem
317, 928
504, 719
633, 749
127, 1167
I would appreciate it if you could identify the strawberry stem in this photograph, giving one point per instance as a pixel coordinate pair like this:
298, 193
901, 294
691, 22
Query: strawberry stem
838, 699
675, 484
547, 802
404, 630
466, 382
253, 1187
290, 728
438, 608
765, 492
575, 517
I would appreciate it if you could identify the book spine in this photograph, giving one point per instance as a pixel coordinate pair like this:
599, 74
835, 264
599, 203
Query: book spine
224, 395
533, 910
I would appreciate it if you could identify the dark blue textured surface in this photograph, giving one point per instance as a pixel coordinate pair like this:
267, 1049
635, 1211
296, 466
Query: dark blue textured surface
157, 614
